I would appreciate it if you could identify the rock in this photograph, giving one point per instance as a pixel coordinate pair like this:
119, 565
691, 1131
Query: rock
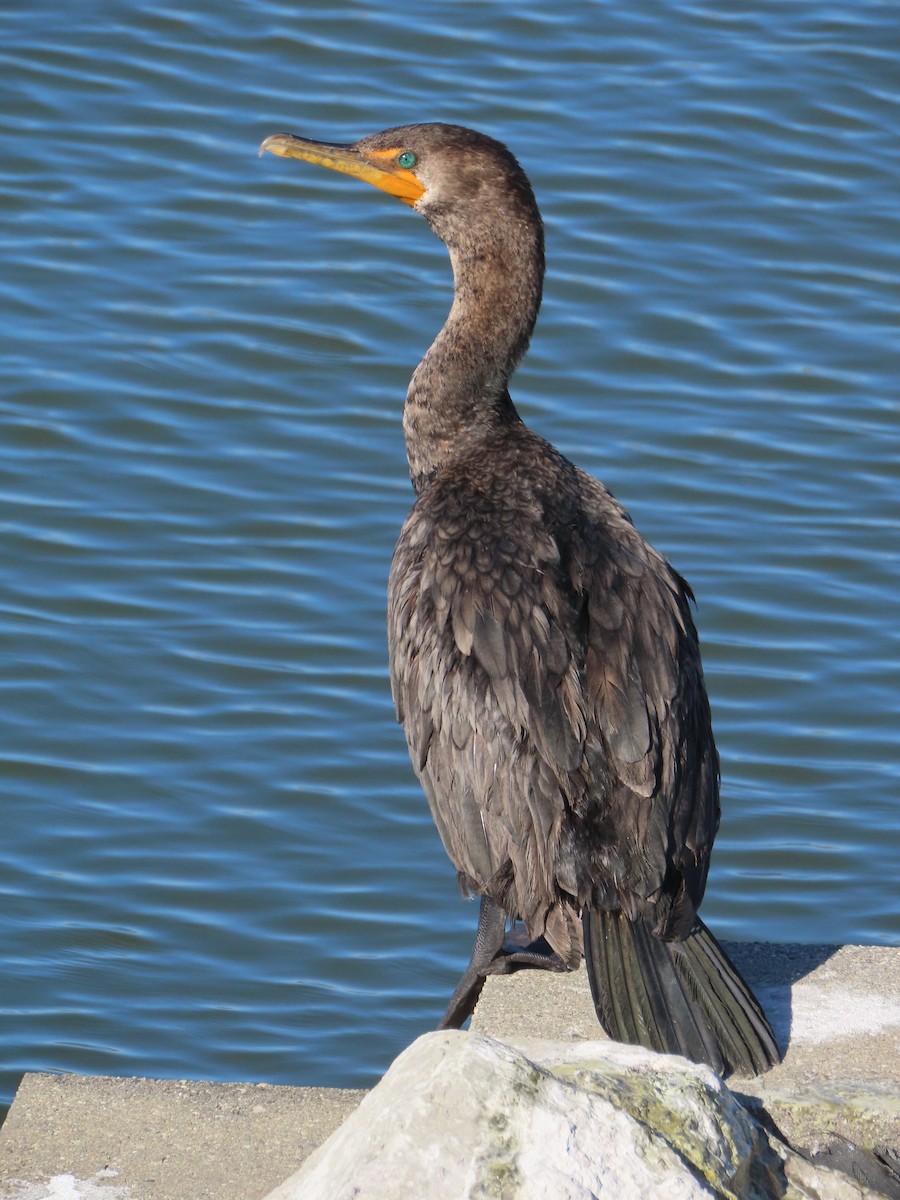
835, 1011
460, 1116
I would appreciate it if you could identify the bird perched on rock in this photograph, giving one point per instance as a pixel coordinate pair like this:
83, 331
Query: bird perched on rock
544, 661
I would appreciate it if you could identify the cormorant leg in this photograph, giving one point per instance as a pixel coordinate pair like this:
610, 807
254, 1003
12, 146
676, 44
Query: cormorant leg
488, 944
490, 958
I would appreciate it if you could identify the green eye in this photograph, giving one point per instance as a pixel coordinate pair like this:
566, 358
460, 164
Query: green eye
407, 159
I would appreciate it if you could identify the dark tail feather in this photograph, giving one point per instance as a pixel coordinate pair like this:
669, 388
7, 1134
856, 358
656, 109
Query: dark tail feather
677, 997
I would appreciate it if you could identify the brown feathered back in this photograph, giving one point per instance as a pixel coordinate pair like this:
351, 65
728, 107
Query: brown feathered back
545, 668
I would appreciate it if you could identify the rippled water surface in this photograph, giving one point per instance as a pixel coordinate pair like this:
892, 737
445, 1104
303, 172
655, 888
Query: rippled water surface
215, 861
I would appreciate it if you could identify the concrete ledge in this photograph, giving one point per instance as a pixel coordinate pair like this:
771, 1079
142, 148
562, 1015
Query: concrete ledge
97, 1138
71, 1137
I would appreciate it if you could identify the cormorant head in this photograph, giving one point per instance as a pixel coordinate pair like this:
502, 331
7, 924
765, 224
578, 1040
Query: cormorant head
469, 187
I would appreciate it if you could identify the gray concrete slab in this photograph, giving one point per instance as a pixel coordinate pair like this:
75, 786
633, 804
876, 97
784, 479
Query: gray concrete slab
77, 1138
70, 1136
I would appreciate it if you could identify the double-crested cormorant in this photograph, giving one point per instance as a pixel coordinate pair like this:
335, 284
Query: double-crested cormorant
544, 661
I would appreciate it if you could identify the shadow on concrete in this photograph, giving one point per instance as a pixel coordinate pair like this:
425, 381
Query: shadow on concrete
772, 970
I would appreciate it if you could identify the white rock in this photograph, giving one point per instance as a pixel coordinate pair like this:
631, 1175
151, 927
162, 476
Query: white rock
460, 1116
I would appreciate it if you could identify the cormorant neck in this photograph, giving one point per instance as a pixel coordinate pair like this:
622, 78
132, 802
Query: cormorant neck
458, 392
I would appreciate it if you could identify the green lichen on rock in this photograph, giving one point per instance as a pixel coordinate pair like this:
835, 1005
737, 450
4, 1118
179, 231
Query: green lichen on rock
497, 1174
697, 1117
498, 1179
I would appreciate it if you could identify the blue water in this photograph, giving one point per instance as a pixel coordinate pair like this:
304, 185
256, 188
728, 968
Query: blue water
215, 862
